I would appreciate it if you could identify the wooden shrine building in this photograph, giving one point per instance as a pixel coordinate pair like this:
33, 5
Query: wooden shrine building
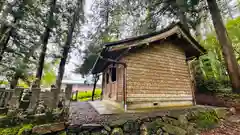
149, 70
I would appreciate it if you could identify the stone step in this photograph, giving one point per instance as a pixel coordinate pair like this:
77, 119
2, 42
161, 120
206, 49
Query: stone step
106, 107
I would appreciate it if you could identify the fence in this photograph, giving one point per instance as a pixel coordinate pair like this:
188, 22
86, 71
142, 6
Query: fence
30, 98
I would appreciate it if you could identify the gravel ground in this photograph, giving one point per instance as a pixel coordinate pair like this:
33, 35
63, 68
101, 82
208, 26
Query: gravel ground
84, 113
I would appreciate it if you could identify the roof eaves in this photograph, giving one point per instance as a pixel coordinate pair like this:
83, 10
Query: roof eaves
142, 36
148, 40
176, 28
182, 32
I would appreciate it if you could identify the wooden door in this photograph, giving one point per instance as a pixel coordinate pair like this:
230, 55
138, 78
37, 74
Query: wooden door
113, 90
110, 90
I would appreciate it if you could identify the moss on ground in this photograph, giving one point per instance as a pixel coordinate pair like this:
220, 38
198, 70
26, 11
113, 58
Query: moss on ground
206, 120
10, 131
17, 130
2, 116
25, 128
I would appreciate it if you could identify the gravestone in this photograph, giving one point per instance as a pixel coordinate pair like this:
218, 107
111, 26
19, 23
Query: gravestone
47, 97
68, 93
55, 92
25, 101
8, 95
35, 94
16, 97
2, 95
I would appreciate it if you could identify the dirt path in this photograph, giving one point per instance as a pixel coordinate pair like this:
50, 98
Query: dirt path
82, 112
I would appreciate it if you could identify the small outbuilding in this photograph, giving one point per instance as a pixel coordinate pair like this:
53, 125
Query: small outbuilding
149, 70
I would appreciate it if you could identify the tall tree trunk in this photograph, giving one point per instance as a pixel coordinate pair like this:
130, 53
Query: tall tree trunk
225, 42
45, 38
67, 45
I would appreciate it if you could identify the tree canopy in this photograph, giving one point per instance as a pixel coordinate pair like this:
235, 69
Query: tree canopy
39, 36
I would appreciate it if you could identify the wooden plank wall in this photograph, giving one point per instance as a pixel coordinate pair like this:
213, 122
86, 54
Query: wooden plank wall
113, 88
158, 74
120, 73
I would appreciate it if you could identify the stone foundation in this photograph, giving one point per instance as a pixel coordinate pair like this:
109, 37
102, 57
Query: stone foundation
186, 122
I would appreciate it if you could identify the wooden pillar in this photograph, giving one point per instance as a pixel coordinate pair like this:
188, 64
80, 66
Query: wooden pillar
192, 79
76, 97
103, 85
35, 94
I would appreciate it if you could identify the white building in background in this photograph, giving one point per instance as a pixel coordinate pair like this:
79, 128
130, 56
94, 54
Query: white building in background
80, 84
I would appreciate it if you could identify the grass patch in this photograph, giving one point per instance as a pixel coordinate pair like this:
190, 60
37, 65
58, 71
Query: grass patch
17, 130
87, 95
24, 128
9, 131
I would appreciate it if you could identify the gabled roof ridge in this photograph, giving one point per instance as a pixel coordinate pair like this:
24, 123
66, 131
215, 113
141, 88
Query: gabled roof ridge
183, 31
142, 36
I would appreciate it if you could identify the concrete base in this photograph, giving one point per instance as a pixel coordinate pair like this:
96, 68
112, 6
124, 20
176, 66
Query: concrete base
107, 107
113, 107
158, 105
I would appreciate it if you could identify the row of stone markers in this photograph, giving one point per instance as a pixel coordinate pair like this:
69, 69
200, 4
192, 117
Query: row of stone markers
20, 98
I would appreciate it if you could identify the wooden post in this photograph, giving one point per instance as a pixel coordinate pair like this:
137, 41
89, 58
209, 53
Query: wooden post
125, 88
76, 98
96, 77
192, 80
103, 85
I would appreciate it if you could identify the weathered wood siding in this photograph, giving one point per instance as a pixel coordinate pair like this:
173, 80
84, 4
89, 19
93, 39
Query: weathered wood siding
114, 89
158, 76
